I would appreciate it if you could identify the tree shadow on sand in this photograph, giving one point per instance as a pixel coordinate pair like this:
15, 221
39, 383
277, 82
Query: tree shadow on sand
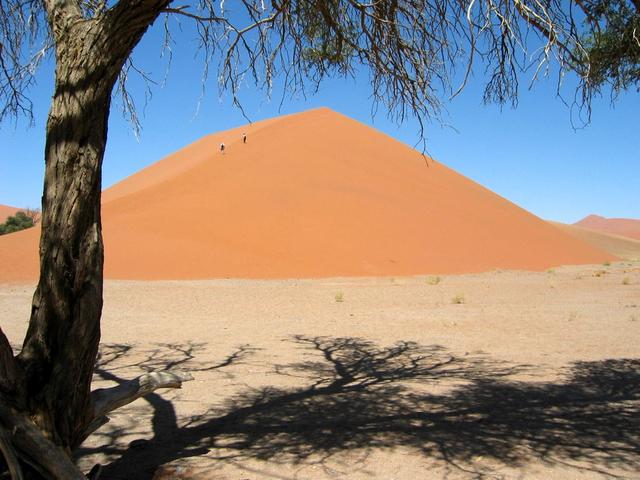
360, 397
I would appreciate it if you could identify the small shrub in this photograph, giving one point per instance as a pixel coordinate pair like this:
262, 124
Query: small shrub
339, 297
458, 299
551, 271
626, 281
573, 316
433, 280
18, 222
599, 273
607, 263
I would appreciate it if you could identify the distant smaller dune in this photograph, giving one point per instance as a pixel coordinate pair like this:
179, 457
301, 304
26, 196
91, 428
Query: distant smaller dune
623, 247
626, 227
6, 211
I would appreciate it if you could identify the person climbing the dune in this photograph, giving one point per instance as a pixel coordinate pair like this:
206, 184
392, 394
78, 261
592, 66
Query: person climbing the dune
222, 148
244, 138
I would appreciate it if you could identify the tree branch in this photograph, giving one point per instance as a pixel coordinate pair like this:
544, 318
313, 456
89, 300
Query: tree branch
133, 15
183, 11
34, 448
106, 400
10, 456
8, 365
62, 15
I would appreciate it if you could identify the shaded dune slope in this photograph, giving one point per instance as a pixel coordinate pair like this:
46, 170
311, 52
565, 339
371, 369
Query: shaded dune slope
626, 227
622, 247
315, 195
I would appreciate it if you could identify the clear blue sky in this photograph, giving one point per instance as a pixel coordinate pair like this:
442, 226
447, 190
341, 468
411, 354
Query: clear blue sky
531, 155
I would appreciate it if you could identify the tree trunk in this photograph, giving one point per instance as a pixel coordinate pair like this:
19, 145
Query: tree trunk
60, 348
59, 351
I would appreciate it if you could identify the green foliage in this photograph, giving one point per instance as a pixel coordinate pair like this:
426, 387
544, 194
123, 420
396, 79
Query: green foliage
612, 44
329, 44
18, 222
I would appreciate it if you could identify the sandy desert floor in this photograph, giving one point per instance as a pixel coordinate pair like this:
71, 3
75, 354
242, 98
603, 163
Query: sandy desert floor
531, 375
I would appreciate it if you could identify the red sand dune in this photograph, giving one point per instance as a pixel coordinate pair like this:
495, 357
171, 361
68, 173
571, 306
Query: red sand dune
626, 227
622, 247
310, 195
6, 211
19, 255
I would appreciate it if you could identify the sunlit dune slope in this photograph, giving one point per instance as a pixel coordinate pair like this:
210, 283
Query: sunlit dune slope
626, 227
311, 195
19, 255
18, 251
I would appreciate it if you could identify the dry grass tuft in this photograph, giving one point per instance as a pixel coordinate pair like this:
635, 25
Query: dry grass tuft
458, 299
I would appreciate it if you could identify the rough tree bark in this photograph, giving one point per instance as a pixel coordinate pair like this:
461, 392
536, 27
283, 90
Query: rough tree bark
58, 356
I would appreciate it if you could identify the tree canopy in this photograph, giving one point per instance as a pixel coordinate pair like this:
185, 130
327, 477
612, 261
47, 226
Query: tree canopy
418, 53
612, 45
